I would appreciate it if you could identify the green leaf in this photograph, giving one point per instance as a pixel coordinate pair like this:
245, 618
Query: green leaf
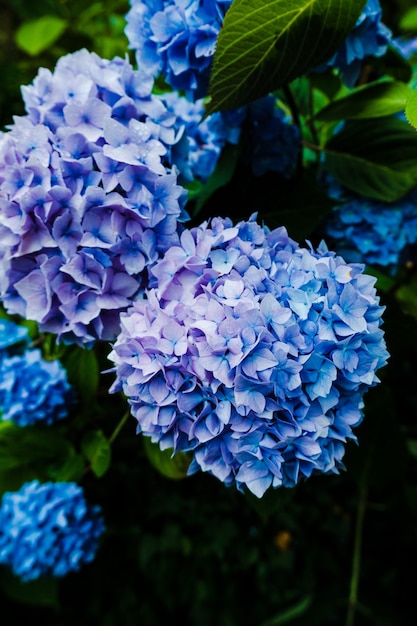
411, 108
290, 614
169, 465
97, 449
264, 44
407, 297
378, 99
393, 64
37, 35
374, 160
83, 372
40, 592
408, 21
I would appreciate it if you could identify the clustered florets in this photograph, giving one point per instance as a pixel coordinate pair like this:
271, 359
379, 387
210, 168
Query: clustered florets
371, 231
369, 38
252, 353
86, 201
176, 38
48, 529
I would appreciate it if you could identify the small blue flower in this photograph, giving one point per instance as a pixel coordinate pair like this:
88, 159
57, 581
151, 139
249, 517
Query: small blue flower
33, 390
48, 530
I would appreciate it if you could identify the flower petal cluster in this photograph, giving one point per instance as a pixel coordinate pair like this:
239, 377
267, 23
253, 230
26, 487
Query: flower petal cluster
48, 529
369, 37
274, 141
11, 334
87, 199
33, 390
198, 150
370, 231
251, 353
176, 38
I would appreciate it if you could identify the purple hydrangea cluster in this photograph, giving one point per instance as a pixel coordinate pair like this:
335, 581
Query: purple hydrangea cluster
198, 150
274, 141
369, 37
251, 353
33, 390
370, 231
48, 530
176, 38
87, 199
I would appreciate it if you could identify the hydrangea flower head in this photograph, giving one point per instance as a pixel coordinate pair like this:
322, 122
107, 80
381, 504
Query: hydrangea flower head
371, 231
33, 390
176, 38
369, 37
87, 201
48, 530
251, 353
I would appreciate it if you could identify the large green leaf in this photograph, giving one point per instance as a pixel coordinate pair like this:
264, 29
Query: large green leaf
374, 160
378, 99
37, 35
411, 108
264, 44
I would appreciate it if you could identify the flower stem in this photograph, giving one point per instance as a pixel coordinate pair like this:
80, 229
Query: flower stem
356, 562
119, 426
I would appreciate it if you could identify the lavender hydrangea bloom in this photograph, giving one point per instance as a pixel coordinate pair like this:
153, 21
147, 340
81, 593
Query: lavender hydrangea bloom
251, 353
87, 199
371, 231
11, 334
369, 37
274, 141
33, 390
176, 38
197, 152
48, 530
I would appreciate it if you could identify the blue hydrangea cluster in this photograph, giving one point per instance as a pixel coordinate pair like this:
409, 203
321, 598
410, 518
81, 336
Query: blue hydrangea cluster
369, 231
251, 353
369, 37
33, 390
87, 199
274, 141
11, 334
176, 38
48, 530
198, 150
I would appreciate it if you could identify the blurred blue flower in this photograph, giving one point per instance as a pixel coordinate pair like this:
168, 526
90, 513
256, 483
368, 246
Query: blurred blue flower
48, 530
88, 197
176, 38
251, 353
369, 231
197, 152
11, 334
33, 390
274, 141
369, 37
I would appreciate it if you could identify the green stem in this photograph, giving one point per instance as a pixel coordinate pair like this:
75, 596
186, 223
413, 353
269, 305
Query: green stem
119, 426
356, 562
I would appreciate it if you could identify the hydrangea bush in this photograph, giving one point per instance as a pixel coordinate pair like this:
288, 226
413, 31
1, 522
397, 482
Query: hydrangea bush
208, 238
